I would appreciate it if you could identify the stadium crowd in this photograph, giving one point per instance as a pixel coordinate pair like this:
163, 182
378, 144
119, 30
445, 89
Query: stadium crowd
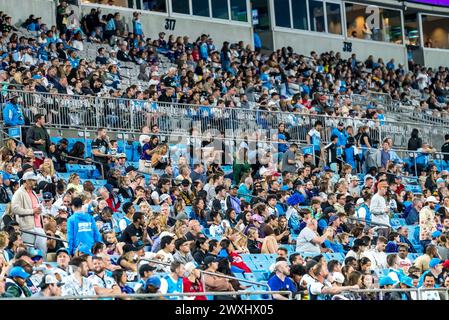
326, 217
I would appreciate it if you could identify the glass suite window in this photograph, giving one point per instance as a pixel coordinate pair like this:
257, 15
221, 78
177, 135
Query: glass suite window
299, 11
238, 10
333, 13
180, 6
200, 8
435, 32
220, 9
316, 12
282, 13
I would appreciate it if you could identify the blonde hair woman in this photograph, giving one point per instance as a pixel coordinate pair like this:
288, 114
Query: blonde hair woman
238, 239
75, 183
269, 244
9, 149
180, 229
4, 240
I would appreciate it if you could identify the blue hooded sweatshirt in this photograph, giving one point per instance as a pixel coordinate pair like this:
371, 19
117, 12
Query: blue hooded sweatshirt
81, 229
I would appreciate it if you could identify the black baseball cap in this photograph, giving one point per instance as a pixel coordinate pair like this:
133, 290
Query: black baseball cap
185, 183
209, 259
130, 168
47, 196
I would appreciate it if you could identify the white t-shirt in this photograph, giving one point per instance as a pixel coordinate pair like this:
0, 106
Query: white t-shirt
143, 138
430, 295
304, 241
105, 282
378, 205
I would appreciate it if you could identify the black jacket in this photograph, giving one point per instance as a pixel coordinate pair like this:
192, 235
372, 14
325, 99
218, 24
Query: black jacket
36, 133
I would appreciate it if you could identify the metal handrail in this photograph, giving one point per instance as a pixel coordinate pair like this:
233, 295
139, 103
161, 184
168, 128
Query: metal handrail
43, 235
84, 97
220, 275
156, 295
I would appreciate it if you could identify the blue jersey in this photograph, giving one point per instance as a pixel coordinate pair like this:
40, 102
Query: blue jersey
173, 287
12, 115
276, 284
342, 136
315, 138
137, 27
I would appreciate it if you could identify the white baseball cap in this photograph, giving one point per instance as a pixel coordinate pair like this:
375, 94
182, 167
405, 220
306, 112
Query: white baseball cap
432, 199
29, 176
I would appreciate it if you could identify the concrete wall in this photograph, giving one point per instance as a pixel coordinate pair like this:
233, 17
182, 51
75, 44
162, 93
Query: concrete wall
153, 23
435, 58
303, 43
20, 10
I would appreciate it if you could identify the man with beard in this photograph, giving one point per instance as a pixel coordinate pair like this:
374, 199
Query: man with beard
103, 284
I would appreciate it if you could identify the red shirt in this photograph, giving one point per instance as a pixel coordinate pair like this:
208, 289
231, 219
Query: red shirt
237, 261
189, 286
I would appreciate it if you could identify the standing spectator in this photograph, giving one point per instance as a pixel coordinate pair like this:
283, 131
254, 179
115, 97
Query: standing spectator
427, 222
314, 138
13, 111
25, 205
289, 159
415, 142
100, 151
37, 136
81, 228
378, 207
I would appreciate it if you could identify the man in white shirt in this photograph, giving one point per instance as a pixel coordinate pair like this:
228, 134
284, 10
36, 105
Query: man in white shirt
377, 255
403, 261
103, 284
379, 209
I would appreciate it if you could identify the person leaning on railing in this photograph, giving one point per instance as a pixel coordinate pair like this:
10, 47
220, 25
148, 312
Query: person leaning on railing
216, 283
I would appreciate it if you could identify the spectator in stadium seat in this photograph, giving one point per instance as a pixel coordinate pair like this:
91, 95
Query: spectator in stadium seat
281, 281
403, 261
320, 288
15, 286
191, 281
182, 254
378, 207
216, 283
308, 239
78, 283
13, 111
429, 283
25, 205
423, 261
413, 214
37, 136
103, 284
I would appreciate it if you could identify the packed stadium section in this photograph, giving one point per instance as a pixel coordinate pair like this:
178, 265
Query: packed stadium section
244, 163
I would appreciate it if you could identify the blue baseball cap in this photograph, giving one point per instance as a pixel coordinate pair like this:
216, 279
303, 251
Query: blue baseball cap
407, 281
439, 180
36, 254
436, 234
386, 281
285, 188
18, 272
434, 262
154, 282
332, 219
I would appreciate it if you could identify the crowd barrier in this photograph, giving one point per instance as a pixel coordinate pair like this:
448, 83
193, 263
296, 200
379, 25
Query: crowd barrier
130, 115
